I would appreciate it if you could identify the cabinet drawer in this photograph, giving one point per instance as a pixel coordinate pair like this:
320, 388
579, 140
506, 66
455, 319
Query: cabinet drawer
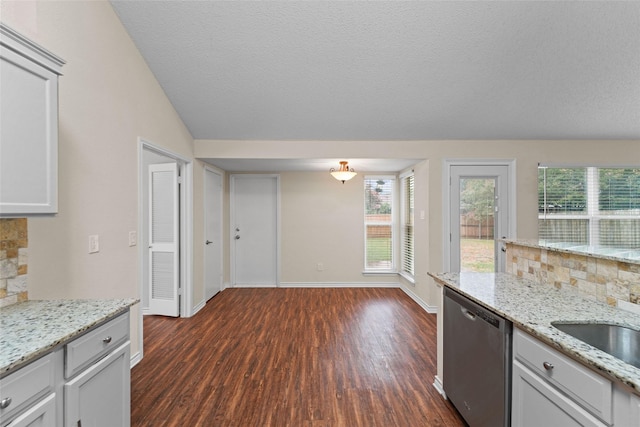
537, 403
591, 391
25, 386
42, 413
95, 344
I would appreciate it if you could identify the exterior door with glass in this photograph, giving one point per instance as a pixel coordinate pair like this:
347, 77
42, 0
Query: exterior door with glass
479, 217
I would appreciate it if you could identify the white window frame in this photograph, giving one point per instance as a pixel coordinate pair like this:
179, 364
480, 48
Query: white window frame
403, 224
592, 214
394, 226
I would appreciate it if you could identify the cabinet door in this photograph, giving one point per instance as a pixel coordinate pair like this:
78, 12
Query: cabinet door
536, 403
29, 131
101, 395
42, 414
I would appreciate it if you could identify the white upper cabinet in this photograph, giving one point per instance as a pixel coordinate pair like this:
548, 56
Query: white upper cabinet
28, 126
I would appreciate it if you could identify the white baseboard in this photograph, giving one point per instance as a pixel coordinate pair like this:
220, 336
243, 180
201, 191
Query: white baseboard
135, 359
428, 308
254, 286
339, 285
198, 307
437, 383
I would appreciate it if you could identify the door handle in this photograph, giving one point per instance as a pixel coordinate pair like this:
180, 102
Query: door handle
208, 242
468, 314
237, 237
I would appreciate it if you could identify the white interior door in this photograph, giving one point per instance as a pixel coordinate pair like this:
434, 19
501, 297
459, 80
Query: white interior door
479, 217
254, 230
164, 240
213, 233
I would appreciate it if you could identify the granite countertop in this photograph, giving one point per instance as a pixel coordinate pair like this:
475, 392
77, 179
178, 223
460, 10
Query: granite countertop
32, 329
532, 307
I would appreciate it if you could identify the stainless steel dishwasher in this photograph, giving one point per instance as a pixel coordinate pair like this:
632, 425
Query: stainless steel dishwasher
477, 361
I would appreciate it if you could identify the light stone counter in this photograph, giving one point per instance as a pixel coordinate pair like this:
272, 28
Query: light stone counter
34, 328
533, 306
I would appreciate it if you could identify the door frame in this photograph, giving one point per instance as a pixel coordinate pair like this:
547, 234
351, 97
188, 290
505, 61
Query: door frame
186, 229
232, 217
446, 199
219, 211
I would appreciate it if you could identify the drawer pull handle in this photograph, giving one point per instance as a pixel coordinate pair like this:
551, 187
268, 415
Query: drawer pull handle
548, 366
106, 340
4, 403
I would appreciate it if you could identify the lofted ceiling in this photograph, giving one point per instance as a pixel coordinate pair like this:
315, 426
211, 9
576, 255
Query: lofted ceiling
394, 70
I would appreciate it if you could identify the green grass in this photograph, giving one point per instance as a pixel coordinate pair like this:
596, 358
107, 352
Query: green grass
378, 250
477, 255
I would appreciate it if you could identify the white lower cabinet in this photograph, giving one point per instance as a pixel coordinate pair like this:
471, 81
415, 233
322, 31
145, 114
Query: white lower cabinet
42, 414
100, 396
84, 383
536, 403
550, 389
23, 391
626, 407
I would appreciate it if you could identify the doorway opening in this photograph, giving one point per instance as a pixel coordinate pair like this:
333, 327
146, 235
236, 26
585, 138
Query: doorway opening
479, 211
149, 156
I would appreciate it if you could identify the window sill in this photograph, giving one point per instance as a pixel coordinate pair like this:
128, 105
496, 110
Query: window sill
380, 273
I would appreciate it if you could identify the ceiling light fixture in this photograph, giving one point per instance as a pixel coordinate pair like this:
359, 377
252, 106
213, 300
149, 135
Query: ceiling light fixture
344, 173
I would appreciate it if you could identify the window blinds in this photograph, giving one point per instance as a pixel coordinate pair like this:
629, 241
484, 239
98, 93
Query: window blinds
591, 206
378, 192
407, 224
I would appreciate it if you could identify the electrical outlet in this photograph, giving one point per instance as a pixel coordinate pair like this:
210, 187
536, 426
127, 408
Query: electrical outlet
133, 238
319, 266
94, 244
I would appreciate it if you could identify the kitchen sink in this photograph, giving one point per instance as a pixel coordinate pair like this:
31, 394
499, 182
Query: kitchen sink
619, 341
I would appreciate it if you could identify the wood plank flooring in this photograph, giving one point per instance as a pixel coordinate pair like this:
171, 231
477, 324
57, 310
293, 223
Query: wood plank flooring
292, 357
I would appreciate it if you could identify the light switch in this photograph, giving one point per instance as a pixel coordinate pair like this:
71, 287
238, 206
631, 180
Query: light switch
94, 244
133, 238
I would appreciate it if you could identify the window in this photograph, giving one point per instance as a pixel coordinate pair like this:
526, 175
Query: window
589, 206
379, 223
406, 224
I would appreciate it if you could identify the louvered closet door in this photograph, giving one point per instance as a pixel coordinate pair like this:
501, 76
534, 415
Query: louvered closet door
163, 240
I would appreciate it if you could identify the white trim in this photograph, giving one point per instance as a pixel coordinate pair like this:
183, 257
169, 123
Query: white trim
221, 174
340, 285
431, 309
255, 285
29, 49
589, 164
395, 242
186, 230
446, 198
198, 307
379, 272
408, 277
437, 384
405, 173
135, 359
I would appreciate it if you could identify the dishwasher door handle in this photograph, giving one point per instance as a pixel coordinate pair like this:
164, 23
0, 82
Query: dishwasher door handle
468, 314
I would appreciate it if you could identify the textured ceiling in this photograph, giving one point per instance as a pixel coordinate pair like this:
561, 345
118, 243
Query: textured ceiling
390, 70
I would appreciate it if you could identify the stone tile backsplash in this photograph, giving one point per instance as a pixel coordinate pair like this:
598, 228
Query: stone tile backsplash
605, 280
13, 260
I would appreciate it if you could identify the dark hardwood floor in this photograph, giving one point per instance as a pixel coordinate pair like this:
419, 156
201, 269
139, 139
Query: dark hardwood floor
292, 357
